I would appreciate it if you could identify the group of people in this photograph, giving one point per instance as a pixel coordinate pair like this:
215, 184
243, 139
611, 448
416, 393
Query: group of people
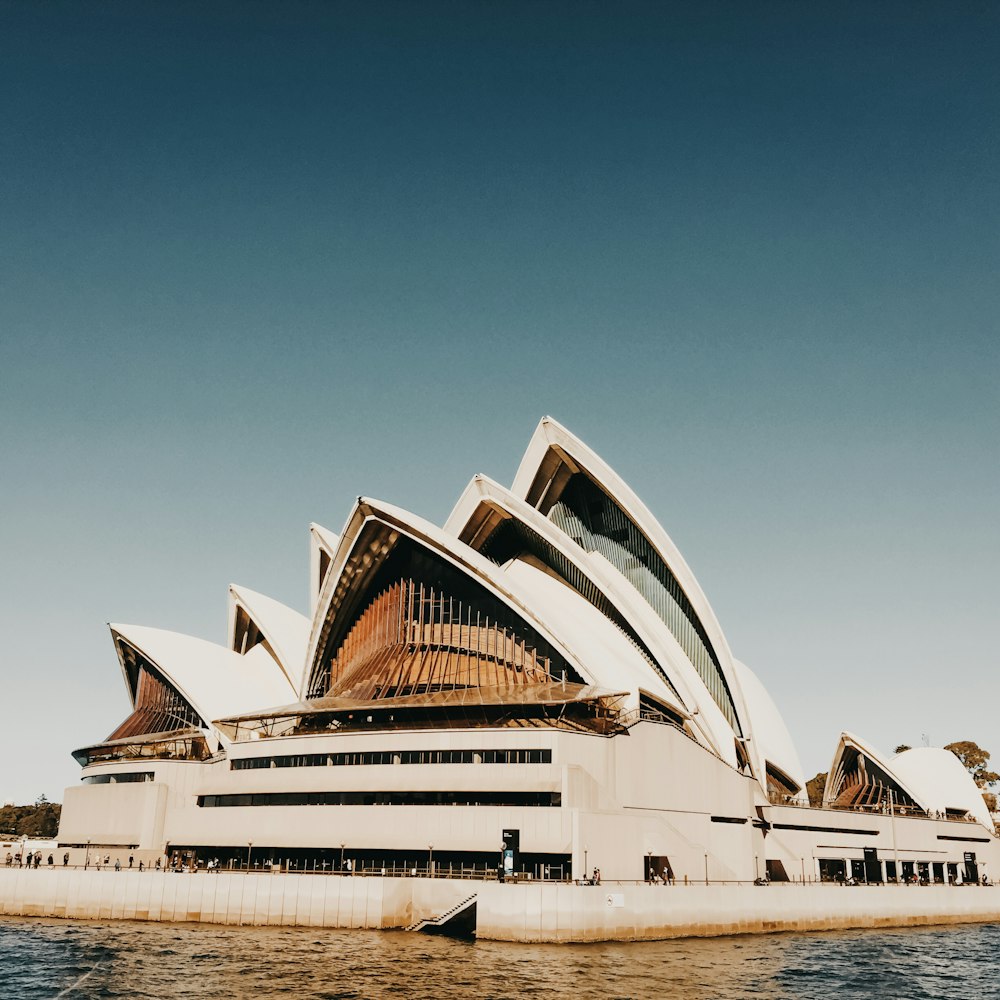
31, 860
106, 863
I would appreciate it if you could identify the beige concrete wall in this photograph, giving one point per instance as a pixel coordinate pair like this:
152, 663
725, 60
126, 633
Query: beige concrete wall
524, 912
123, 814
227, 898
564, 913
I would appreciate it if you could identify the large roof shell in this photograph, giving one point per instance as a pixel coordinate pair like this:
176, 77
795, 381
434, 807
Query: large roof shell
559, 614
688, 689
551, 452
214, 680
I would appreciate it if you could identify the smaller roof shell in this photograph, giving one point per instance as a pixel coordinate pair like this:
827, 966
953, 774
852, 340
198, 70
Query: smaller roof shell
286, 631
214, 680
933, 777
322, 547
942, 782
769, 729
849, 740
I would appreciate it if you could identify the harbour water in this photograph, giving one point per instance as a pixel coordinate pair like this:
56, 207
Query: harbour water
71, 960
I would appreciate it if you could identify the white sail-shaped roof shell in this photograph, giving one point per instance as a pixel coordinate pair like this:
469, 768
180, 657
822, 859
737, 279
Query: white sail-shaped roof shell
850, 741
286, 631
933, 777
774, 742
689, 693
941, 782
551, 444
214, 680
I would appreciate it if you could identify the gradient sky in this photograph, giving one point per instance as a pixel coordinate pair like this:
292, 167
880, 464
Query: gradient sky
256, 259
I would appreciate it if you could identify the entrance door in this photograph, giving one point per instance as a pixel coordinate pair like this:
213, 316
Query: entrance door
873, 867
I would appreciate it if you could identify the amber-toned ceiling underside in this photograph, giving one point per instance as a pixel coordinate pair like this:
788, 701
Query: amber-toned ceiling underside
413, 639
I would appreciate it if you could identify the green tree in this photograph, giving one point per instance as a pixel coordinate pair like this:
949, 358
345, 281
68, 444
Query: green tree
40, 821
902, 748
975, 760
814, 789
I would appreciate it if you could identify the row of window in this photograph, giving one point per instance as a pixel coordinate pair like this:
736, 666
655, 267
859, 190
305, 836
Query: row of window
383, 799
395, 757
941, 872
118, 777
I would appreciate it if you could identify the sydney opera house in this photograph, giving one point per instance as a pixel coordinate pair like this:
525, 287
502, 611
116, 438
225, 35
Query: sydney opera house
539, 686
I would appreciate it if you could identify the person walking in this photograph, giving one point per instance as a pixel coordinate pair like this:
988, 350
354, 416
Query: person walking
65, 859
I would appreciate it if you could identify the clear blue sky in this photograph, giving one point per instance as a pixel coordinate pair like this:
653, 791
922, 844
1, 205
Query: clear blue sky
256, 259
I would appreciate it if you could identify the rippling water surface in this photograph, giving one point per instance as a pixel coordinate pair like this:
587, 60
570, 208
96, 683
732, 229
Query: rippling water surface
73, 961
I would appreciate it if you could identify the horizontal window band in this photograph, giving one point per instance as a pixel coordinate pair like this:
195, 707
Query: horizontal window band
117, 778
543, 799
729, 819
379, 757
965, 840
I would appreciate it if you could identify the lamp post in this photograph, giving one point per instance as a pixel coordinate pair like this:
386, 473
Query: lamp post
86, 860
586, 868
249, 849
892, 827
430, 861
342, 859
649, 867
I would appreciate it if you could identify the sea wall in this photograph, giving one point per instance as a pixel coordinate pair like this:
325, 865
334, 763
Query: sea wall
227, 898
522, 912
655, 912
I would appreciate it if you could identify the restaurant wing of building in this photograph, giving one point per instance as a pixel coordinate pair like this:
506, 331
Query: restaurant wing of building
540, 684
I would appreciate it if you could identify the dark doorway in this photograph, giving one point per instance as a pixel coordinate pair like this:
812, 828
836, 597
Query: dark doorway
832, 870
776, 870
657, 868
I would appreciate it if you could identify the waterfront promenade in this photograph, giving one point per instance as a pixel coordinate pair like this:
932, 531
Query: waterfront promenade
525, 912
